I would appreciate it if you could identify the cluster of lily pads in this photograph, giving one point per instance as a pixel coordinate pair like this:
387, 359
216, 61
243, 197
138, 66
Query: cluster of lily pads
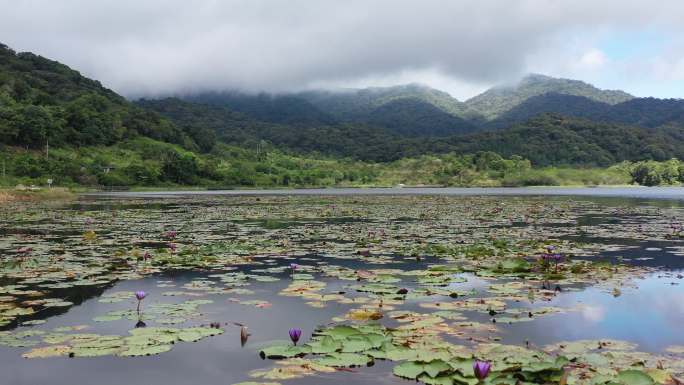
386, 252
423, 357
140, 342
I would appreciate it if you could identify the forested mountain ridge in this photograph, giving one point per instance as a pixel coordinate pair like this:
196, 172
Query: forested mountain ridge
546, 139
500, 99
553, 139
43, 101
416, 110
412, 110
353, 104
642, 112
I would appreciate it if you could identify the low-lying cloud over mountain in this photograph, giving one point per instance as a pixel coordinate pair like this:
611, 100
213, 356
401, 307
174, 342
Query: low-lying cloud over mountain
159, 47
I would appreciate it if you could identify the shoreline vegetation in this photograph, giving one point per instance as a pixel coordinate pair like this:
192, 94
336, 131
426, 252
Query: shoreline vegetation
41, 194
142, 164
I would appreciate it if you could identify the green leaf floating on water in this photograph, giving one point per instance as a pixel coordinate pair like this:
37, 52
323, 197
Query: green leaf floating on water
144, 350
284, 351
257, 383
141, 342
196, 334
634, 377
413, 369
326, 344
360, 343
345, 360
340, 332
439, 380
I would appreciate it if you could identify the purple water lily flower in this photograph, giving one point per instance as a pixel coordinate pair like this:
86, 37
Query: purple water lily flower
295, 334
293, 268
172, 247
170, 234
481, 369
140, 295
147, 256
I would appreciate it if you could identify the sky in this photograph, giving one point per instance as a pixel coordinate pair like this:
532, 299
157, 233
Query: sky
148, 48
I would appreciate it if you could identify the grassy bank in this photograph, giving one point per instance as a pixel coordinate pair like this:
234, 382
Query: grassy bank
58, 193
148, 164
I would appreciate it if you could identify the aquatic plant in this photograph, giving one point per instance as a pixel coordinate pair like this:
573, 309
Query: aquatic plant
140, 295
24, 251
549, 257
481, 369
295, 334
244, 335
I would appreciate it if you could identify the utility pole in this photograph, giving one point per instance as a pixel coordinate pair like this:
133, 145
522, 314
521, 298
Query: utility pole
47, 149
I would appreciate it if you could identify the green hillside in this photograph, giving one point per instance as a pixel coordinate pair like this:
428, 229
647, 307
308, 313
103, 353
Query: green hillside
552, 139
498, 100
43, 101
354, 104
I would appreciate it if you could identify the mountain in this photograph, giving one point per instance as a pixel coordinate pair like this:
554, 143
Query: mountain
344, 140
642, 112
500, 99
284, 109
546, 139
353, 104
415, 117
410, 110
552, 139
44, 101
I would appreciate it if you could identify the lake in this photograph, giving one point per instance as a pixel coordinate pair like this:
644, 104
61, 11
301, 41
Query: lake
386, 286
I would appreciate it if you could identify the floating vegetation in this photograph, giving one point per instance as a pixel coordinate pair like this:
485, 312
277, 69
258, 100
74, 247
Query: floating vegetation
141, 342
462, 290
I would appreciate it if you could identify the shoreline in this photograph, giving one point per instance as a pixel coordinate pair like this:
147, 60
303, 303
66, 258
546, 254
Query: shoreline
672, 192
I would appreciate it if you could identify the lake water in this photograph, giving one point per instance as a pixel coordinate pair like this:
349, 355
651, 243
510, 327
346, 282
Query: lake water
624, 192
460, 266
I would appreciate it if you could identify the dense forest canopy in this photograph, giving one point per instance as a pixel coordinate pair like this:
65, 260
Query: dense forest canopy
43, 101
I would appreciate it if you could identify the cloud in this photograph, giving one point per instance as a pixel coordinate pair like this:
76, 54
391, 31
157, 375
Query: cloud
158, 47
593, 59
594, 314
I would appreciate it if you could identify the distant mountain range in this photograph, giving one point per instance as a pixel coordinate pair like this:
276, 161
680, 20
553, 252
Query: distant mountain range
550, 121
416, 110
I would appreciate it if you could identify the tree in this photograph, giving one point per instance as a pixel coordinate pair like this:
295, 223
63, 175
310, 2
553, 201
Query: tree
179, 168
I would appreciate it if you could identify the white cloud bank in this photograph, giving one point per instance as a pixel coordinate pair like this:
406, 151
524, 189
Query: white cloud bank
157, 47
